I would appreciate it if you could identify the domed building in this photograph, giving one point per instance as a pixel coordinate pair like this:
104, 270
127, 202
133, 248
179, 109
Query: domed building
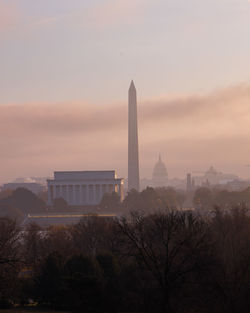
160, 174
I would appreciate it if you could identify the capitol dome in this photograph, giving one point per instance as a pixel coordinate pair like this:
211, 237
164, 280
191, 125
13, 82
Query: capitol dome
160, 174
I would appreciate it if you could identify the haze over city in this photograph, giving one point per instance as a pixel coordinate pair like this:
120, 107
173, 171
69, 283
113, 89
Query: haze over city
65, 71
124, 156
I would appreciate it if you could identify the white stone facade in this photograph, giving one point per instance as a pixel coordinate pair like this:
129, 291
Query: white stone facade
80, 188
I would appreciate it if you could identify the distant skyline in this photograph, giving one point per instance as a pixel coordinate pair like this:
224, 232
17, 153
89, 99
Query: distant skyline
65, 67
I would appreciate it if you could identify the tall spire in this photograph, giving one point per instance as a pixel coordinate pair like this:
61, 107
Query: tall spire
132, 85
133, 154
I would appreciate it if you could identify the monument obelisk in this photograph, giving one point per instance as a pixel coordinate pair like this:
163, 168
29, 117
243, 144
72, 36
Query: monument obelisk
133, 155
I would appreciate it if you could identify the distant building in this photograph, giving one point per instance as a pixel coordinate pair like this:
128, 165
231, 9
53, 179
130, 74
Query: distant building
37, 180
213, 177
160, 174
189, 183
81, 188
33, 187
193, 183
235, 185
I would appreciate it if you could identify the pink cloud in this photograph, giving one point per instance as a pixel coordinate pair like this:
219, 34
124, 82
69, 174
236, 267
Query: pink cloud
193, 131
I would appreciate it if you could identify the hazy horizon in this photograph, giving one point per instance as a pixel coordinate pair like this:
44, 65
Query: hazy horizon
80, 136
65, 71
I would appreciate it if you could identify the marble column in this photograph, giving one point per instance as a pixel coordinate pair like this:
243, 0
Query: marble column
49, 195
74, 194
67, 193
87, 194
94, 194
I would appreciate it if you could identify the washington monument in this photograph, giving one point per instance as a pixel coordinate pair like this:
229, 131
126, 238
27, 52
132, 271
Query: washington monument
133, 155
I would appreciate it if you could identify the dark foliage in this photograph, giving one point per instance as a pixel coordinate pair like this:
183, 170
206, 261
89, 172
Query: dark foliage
49, 282
60, 204
10, 260
6, 210
5, 193
164, 261
206, 198
110, 202
24, 200
151, 199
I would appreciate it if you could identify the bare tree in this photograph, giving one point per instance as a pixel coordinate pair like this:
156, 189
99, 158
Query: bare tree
32, 246
9, 236
9, 256
171, 246
231, 277
93, 235
58, 239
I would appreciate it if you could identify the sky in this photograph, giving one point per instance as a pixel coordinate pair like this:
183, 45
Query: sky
65, 69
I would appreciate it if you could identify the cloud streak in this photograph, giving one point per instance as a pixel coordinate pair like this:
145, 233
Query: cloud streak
222, 106
195, 130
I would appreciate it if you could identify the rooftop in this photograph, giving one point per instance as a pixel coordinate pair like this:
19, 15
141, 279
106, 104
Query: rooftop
46, 220
82, 175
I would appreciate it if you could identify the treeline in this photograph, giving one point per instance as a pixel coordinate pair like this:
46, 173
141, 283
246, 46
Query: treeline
167, 261
20, 202
148, 200
207, 198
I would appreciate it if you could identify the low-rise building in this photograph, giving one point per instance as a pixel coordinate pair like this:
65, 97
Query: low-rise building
33, 187
81, 188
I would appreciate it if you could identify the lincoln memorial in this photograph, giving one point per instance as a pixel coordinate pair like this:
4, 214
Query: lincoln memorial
83, 187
